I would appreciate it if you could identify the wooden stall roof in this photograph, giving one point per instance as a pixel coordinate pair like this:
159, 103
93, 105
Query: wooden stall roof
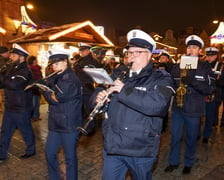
74, 33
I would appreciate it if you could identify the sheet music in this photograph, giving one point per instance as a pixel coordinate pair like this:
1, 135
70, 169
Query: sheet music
188, 62
99, 75
41, 86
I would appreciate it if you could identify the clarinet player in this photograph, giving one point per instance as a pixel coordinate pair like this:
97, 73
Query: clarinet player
134, 115
198, 83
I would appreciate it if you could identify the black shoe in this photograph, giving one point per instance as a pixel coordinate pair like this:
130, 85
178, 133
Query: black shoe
25, 156
170, 168
186, 170
205, 141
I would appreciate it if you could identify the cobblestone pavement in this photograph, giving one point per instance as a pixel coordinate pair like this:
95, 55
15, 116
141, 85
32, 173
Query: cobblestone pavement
209, 165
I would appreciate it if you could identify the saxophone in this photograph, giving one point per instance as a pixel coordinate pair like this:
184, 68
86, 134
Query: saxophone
182, 89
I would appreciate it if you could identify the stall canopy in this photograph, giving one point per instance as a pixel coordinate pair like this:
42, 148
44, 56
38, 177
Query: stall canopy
77, 32
218, 36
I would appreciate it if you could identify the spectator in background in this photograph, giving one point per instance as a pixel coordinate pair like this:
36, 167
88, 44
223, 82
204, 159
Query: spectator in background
75, 58
37, 74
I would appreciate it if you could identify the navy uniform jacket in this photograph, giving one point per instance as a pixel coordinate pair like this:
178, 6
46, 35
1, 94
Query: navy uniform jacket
86, 80
14, 80
202, 84
65, 115
218, 74
135, 114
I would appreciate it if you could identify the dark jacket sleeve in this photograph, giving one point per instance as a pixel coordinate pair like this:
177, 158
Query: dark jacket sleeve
203, 81
153, 101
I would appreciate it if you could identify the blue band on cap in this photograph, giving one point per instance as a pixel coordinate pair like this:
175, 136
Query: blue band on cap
136, 42
194, 42
17, 51
211, 52
84, 47
164, 54
56, 58
59, 56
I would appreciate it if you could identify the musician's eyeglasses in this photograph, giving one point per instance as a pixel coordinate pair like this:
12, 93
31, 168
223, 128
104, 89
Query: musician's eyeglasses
134, 53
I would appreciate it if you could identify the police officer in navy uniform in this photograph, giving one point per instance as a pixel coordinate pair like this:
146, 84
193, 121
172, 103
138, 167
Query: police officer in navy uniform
86, 60
165, 64
213, 100
199, 84
18, 103
134, 116
65, 115
164, 61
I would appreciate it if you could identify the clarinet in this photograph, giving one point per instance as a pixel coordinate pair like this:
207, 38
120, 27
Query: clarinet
100, 104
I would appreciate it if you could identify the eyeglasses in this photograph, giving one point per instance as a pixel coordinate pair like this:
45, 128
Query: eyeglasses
134, 53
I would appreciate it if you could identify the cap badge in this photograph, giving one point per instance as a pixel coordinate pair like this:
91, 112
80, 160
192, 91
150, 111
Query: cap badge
134, 34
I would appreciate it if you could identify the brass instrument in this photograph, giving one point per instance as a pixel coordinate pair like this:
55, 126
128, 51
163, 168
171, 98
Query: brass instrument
100, 104
182, 89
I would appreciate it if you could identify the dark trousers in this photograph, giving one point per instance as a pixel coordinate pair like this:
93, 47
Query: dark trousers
191, 124
68, 142
115, 167
36, 107
212, 109
10, 122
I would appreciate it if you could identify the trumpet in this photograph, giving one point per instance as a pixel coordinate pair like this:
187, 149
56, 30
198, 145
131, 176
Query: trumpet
100, 104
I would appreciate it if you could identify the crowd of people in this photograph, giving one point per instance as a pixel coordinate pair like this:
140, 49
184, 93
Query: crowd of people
144, 97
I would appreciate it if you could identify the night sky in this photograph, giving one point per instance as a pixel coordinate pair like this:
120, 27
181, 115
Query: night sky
152, 16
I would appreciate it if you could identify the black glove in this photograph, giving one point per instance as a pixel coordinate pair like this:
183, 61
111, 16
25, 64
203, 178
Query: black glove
187, 80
